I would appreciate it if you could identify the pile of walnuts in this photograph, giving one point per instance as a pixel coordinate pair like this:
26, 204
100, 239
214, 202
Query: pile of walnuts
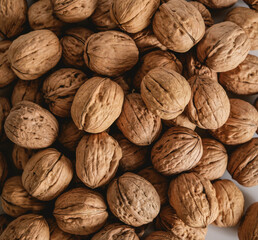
100, 126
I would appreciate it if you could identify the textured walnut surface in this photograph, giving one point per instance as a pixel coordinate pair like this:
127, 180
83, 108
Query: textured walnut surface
56, 233
3, 169
5, 108
21, 156
218, 3
252, 3
158, 235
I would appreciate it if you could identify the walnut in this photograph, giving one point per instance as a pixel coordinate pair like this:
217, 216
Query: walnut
80, 211
33, 54
21, 156
242, 80
252, 4
224, 46
56, 233
59, 90
97, 104
133, 200
13, 15
73, 43
27, 227
3, 170
209, 106
249, 224
155, 59
169, 221
16, 201
178, 150
214, 4
6, 73
159, 182
73, 11
194, 200
31, 126
178, 25
160, 235
137, 123
4, 221
133, 16
110, 53
116, 231
5, 108
41, 16
231, 203
124, 82
243, 164
241, 124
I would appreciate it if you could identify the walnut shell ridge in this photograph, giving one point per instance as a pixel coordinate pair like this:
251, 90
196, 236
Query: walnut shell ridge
217, 4
56, 233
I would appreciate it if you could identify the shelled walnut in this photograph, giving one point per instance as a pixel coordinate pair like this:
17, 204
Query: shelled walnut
21, 156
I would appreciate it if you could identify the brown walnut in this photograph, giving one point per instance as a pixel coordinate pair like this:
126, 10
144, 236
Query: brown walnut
4, 221
252, 4
56, 233
5, 108
21, 156
3, 169
161, 235
124, 81
216, 4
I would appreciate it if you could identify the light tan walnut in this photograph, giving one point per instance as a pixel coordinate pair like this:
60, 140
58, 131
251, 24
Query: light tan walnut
252, 4
4, 221
5, 108
21, 156
217, 4
161, 235
3, 169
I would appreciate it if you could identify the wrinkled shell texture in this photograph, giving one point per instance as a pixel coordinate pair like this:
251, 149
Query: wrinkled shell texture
21, 156
73, 11
243, 164
209, 106
110, 53
16, 200
59, 90
133, 16
13, 15
3, 169
80, 211
248, 227
6, 73
218, 3
137, 123
248, 20
231, 203
158, 235
5, 108
47, 174
241, 124
224, 46
27, 227
33, 54
214, 160
178, 25
133, 200
4, 221
181, 120
165, 92
56, 233
97, 159
97, 104
29, 125
178, 150
124, 81
252, 3
194, 199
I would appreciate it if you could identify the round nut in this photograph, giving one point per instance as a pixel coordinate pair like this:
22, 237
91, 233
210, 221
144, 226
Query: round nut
137, 123
158, 235
241, 124
97, 104
178, 150
5, 108
252, 4
33, 54
21, 156
215, 4
194, 200
4, 221
133, 200
56, 233
31, 126
231, 203
178, 25
80, 211
224, 46
3, 170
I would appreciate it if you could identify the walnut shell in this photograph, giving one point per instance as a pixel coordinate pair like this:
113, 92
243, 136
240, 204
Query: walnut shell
241, 124
27, 227
133, 16
73, 11
16, 201
159, 182
80, 211
124, 82
155, 59
73, 43
209, 106
4, 221
215, 4
110, 53
133, 200
97, 104
3, 170
137, 123
116, 231
21, 156
33, 54
252, 4
31, 126
231, 203
6, 73
194, 199
13, 15
178, 25
249, 224
5, 108
169, 221
160, 235
56, 233
59, 90
178, 150
242, 80
224, 46
243, 164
